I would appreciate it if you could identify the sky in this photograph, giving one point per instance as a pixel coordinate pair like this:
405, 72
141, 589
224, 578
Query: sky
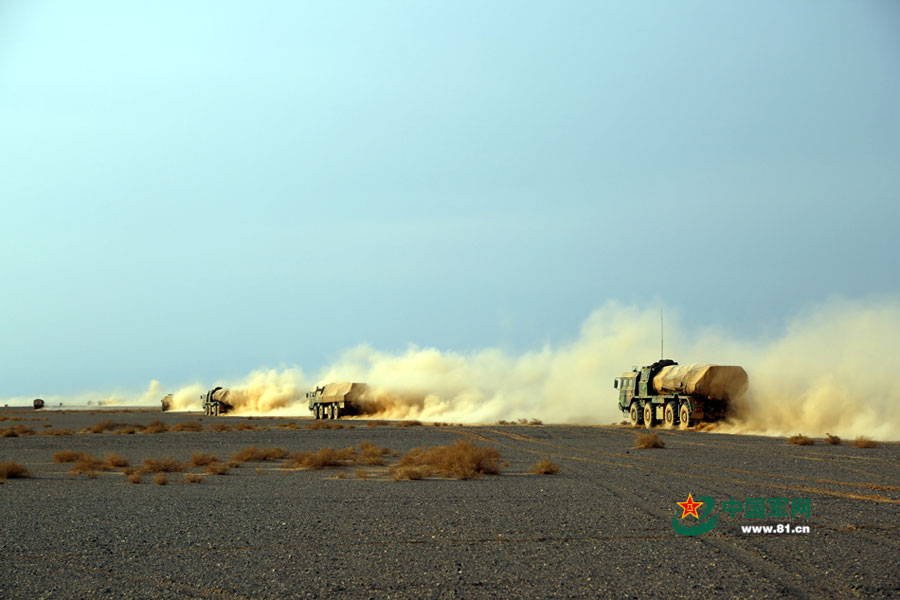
193, 190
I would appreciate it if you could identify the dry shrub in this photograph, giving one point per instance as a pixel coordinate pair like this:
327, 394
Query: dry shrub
800, 440
67, 456
366, 453
115, 461
648, 440
167, 464
544, 467
155, 427
410, 473
832, 439
190, 426
107, 426
134, 477
234, 464
376, 424
361, 474
502, 422
193, 478
523, 421
462, 460
325, 457
863, 442
130, 430
221, 427
341, 475
160, 479
535, 422
289, 425
11, 469
254, 454
201, 459
216, 468
56, 432
246, 427
409, 423
16, 431
324, 425
370, 454
88, 465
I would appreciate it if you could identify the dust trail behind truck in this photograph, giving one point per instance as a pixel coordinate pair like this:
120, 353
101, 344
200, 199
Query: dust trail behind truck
671, 394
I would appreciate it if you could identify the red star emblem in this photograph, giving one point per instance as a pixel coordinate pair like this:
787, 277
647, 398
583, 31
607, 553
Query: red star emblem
689, 507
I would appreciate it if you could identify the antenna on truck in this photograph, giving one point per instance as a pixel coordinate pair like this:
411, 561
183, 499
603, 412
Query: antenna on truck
661, 353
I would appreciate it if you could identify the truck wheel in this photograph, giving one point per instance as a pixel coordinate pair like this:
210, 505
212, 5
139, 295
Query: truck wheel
648, 415
337, 411
333, 412
670, 414
316, 414
684, 416
634, 414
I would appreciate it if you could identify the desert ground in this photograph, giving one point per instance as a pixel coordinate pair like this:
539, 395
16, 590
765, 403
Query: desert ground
601, 527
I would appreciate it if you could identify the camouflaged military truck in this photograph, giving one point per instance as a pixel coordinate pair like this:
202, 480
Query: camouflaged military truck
670, 394
336, 400
215, 402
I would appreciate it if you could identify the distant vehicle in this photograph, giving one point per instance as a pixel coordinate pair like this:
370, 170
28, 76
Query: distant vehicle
215, 402
336, 400
166, 402
670, 394
38, 403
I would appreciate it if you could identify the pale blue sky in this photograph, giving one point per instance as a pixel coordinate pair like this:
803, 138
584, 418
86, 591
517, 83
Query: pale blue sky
191, 190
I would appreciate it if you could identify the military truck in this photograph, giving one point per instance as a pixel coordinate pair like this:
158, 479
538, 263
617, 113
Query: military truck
215, 402
670, 394
336, 400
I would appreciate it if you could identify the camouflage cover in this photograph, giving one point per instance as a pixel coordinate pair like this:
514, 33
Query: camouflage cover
709, 381
343, 392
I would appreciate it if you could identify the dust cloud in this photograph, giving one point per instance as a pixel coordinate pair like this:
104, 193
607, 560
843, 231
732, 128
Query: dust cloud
829, 370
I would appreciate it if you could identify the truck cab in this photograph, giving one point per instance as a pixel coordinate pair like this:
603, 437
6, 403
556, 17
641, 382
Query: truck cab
626, 384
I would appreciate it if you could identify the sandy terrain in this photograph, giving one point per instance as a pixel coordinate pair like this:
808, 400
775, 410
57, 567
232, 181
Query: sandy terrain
603, 527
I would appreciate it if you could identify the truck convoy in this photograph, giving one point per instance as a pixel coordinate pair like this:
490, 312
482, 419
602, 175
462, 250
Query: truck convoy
336, 400
671, 394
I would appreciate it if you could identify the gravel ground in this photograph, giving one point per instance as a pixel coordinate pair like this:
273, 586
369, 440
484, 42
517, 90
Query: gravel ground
603, 527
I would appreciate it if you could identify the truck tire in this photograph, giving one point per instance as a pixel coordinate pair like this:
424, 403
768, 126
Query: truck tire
684, 416
648, 415
670, 415
333, 414
634, 413
316, 412
337, 411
